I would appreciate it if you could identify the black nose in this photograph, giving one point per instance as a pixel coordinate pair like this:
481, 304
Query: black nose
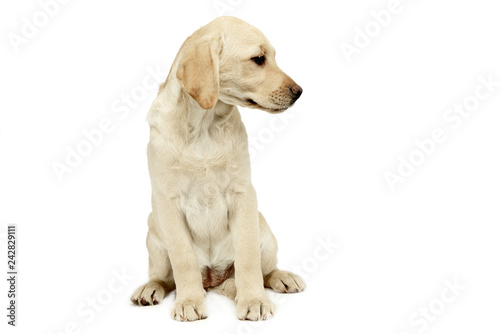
296, 91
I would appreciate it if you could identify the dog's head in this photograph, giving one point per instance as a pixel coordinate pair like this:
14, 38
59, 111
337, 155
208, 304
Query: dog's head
232, 61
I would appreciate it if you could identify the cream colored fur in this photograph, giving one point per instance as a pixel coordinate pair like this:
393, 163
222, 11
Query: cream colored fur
204, 207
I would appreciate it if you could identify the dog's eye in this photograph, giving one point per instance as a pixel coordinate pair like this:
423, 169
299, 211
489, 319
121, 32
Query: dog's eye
260, 60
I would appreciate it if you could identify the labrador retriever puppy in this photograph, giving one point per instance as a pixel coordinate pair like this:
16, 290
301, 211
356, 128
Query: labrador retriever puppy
205, 230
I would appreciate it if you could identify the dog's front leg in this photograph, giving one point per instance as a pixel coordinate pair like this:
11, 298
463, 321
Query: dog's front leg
251, 299
190, 295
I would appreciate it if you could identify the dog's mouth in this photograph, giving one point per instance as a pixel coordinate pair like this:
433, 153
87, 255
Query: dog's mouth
270, 110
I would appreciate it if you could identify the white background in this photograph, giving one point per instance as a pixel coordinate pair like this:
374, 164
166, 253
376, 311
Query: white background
319, 177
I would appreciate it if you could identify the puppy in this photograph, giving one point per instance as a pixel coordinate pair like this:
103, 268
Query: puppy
205, 231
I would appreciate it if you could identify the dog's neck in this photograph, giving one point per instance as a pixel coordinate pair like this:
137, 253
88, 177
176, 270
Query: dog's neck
199, 122
201, 118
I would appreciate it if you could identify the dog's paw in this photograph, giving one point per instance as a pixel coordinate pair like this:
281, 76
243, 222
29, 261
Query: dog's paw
284, 282
189, 309
254, 308
150, 293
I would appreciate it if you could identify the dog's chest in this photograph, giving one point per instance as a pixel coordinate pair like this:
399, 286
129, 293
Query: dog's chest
205, 163
204, 200
211, 165
206, 207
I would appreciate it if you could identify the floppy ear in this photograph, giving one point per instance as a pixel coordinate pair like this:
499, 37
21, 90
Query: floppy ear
198, 71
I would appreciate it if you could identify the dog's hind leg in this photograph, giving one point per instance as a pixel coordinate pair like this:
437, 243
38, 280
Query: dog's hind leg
278, 280
161, 279
227, 288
